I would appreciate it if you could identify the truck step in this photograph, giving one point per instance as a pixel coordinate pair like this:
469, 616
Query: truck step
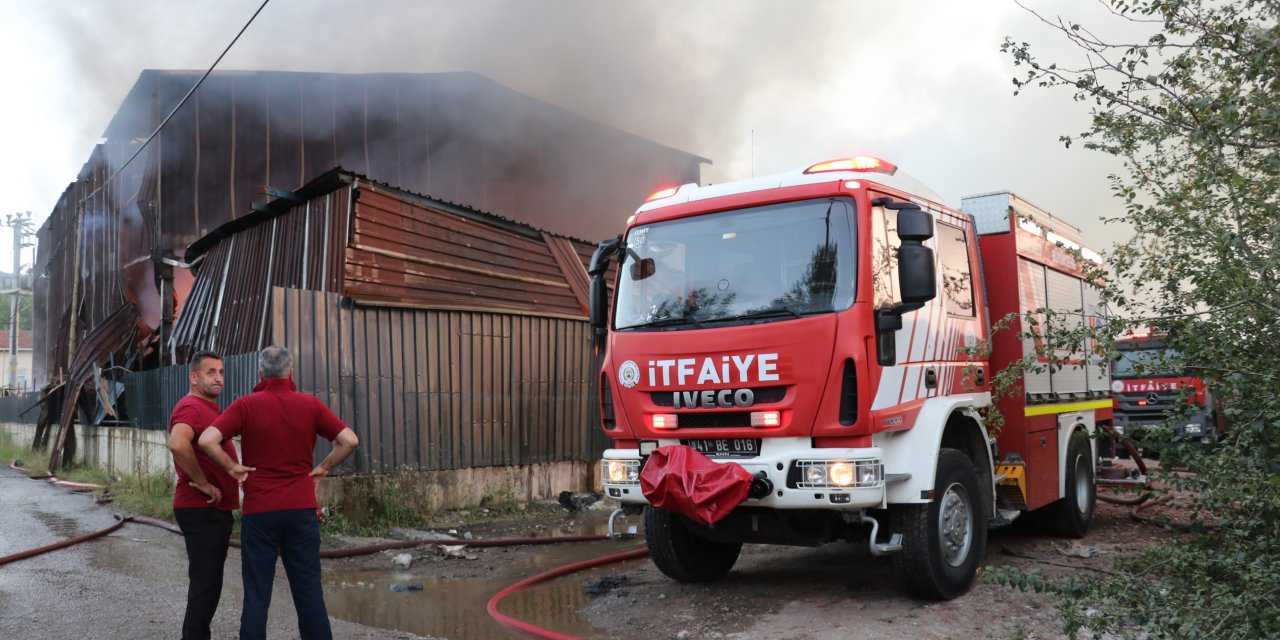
890, 478
1004, 517
1000, 477
894, 545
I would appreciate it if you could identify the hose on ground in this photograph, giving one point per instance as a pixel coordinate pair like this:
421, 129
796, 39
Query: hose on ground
120, 520
55, 479
525, 628
1136, 456
1184, 526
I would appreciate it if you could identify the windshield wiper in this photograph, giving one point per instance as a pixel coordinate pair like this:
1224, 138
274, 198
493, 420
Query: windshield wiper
773, 312
668, 322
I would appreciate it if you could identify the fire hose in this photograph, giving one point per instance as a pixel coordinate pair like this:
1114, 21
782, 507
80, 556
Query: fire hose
519, 626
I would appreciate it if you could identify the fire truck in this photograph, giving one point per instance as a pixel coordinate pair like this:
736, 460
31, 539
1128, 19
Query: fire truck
785, 362
1148, 393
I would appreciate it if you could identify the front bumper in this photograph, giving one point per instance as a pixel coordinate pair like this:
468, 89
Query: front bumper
781, 460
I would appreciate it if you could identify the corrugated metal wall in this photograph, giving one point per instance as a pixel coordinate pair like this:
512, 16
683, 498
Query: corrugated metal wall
429, 389
151, 395
12, 408
425, 390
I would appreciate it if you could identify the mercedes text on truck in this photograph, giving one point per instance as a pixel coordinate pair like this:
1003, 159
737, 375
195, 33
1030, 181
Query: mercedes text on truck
784, 363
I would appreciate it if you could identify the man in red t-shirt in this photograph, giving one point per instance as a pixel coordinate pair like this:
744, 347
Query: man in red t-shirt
278, 428
205, 496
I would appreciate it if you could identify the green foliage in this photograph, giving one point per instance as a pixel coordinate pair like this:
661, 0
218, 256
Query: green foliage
1192, 108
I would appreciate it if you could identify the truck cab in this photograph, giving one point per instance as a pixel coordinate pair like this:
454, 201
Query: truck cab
813, 329
1149, 393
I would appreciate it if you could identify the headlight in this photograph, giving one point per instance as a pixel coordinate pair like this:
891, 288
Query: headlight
816, 475
620, 471
841, 474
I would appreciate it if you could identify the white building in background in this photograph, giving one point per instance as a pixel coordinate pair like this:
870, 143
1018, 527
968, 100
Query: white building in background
23, 382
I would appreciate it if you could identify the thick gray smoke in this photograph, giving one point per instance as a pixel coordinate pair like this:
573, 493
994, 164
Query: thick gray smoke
755, 86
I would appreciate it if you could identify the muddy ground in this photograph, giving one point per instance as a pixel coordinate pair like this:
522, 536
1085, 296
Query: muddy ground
835, 591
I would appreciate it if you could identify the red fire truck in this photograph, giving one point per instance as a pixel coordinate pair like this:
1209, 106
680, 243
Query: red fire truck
783, 364
1148, 393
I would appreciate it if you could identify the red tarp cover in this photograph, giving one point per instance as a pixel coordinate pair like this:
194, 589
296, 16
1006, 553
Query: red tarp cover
683, 481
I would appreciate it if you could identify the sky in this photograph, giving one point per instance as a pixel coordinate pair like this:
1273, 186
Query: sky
757, 86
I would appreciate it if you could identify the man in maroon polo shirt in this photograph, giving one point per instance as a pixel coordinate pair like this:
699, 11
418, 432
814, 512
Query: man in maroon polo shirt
278, 428
205, 496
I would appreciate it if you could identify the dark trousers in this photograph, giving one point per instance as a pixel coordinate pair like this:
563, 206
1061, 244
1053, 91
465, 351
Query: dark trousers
292, 535
206, 532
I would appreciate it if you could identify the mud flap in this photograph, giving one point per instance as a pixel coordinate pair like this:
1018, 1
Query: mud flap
681, 480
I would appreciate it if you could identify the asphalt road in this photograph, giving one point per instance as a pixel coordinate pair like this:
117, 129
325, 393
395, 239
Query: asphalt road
129, 584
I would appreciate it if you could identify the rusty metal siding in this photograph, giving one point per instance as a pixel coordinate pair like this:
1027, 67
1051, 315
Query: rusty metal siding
228, 308
439, 389
409, 253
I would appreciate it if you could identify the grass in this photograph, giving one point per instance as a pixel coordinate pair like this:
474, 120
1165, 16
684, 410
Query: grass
149, 495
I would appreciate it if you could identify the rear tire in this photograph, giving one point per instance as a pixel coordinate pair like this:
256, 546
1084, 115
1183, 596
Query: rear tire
943, 542
1071, 516
680, 553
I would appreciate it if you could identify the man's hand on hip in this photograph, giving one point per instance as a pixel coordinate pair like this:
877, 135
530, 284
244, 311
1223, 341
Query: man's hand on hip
240, 472
208, 489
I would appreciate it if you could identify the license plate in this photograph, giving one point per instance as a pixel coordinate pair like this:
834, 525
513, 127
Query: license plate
726, 447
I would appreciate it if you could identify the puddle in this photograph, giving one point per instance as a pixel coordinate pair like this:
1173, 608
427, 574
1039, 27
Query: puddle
454, 608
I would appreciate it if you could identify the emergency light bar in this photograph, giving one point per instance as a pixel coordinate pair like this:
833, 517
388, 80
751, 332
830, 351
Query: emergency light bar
662, 193
856, 163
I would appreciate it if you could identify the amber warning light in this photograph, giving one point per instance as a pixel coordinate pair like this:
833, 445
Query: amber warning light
856, 163
662, 193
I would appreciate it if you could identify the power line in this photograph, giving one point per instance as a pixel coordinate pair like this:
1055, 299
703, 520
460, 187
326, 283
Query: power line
180, 103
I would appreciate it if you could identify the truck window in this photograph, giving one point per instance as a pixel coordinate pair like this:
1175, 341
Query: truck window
884, 258
957, 278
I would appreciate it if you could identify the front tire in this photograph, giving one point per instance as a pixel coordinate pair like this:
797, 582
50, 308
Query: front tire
680, 553
1071, 516
944, 540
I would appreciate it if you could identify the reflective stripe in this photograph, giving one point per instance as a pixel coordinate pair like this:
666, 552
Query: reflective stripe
1044, 410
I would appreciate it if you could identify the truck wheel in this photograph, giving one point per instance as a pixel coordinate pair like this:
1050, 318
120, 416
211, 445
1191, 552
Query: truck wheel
942, 541
1071, 516
680, 553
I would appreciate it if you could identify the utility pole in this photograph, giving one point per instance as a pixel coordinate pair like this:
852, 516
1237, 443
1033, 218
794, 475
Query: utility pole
21, 225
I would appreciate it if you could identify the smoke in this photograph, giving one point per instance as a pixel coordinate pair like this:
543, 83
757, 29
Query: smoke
755, 86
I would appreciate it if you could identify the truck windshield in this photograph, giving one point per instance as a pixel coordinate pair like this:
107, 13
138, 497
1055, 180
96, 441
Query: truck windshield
763, 264
1146, 363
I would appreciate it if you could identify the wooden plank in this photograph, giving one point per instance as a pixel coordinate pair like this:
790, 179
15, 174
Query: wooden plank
364, 254
575, 276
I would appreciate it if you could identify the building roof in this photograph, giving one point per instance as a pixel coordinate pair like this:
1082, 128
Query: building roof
25, 339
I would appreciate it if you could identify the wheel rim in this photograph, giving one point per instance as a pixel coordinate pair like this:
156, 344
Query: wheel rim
955, 525
1082, 485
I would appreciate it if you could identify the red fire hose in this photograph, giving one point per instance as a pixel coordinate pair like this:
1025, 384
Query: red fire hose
524, 628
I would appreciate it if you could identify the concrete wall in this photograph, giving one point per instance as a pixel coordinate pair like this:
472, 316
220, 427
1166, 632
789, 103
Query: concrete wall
117, 450
128, 451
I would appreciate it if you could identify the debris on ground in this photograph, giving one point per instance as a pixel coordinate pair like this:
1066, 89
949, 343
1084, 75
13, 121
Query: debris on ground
1079, 551
606, 584
575, 502
401, 533
455, 551
400, 587
402, 560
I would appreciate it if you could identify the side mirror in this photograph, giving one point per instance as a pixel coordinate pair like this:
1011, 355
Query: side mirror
643, 268
598, 299
598, 294
917, 278
606, 250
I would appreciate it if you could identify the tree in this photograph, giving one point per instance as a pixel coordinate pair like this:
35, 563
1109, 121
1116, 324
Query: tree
1193, 111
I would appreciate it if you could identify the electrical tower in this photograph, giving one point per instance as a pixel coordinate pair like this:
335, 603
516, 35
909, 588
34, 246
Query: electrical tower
21, 225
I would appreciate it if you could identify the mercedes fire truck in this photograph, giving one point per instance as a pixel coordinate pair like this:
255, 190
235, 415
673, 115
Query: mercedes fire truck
785, 362
1149, 394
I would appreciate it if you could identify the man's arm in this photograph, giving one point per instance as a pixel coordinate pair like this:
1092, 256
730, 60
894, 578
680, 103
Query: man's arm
184, 455
211, 445
343, 445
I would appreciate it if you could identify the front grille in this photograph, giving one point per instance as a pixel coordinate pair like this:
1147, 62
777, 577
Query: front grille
606, 404
762, 395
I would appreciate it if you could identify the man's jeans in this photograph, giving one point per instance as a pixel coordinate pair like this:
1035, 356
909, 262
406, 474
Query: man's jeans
207, 532
293, 535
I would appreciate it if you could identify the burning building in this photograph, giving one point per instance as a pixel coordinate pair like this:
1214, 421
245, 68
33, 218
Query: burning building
115, 275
